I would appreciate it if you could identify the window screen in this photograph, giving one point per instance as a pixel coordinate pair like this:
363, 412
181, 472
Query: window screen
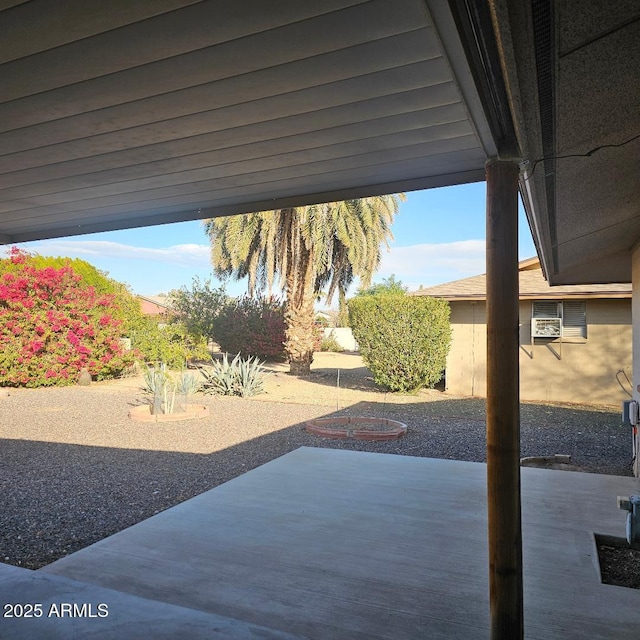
574, 319
547, 309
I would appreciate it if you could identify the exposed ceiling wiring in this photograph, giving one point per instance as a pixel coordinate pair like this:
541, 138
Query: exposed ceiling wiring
530, 165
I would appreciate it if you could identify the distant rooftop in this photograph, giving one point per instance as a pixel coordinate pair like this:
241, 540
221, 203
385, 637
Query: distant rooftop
154, 305
533, 286
163, 301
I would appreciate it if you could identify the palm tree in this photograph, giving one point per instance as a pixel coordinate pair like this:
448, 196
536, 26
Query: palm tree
308, 248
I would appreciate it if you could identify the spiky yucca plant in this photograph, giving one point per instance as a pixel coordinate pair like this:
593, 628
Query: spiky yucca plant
240, 377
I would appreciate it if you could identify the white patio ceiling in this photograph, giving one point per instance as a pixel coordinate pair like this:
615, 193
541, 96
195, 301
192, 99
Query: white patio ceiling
121, 114
126, 114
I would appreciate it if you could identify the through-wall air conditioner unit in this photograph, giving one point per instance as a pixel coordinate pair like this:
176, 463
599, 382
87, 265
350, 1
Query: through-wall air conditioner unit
546, 327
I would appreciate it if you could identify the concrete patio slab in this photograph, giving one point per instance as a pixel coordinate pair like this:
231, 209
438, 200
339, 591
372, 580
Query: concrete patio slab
70, 610
340, 544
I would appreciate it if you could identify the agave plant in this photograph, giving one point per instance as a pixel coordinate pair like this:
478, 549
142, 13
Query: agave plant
240, 377
163, 388
250, 377
188, 383
155, 378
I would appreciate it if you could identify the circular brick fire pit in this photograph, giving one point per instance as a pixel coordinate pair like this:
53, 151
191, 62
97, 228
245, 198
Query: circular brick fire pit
356, 428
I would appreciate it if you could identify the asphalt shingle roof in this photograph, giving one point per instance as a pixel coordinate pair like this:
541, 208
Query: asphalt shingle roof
533, 286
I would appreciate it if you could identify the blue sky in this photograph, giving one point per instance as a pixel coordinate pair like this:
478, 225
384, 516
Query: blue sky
439, 235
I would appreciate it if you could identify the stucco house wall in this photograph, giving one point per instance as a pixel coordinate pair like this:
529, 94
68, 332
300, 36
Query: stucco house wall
465, 373
569, 370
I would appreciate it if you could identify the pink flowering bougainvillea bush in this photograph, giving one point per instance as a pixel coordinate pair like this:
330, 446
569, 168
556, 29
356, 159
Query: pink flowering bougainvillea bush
52, 326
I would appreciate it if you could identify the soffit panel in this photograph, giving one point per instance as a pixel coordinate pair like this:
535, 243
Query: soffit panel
584, 202
598, 197
457, 168
149, 40
359, 91
41, 25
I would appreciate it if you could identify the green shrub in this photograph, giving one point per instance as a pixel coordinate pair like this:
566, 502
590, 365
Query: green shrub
170, 343
240, 377
252, 327
329, 343
404, 340
165, 339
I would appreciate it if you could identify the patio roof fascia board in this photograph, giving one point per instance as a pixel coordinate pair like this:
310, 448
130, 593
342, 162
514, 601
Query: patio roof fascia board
576, 296
513, 22
450, 42
151, 219
617, 295
448, 298
534, 221
474, 22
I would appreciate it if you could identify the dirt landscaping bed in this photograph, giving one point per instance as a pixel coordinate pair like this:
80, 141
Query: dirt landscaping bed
74, 468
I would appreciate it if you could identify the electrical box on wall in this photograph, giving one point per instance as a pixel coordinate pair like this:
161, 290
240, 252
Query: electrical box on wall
630, 412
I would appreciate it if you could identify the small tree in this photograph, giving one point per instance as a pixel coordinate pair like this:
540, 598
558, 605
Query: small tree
388, 286
199, 307
310, 249
404, 340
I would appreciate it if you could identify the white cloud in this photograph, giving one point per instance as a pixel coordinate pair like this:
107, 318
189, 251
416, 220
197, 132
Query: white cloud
150, 270
429, 264
184, 255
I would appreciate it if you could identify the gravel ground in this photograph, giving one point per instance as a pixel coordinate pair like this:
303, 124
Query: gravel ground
75, 469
